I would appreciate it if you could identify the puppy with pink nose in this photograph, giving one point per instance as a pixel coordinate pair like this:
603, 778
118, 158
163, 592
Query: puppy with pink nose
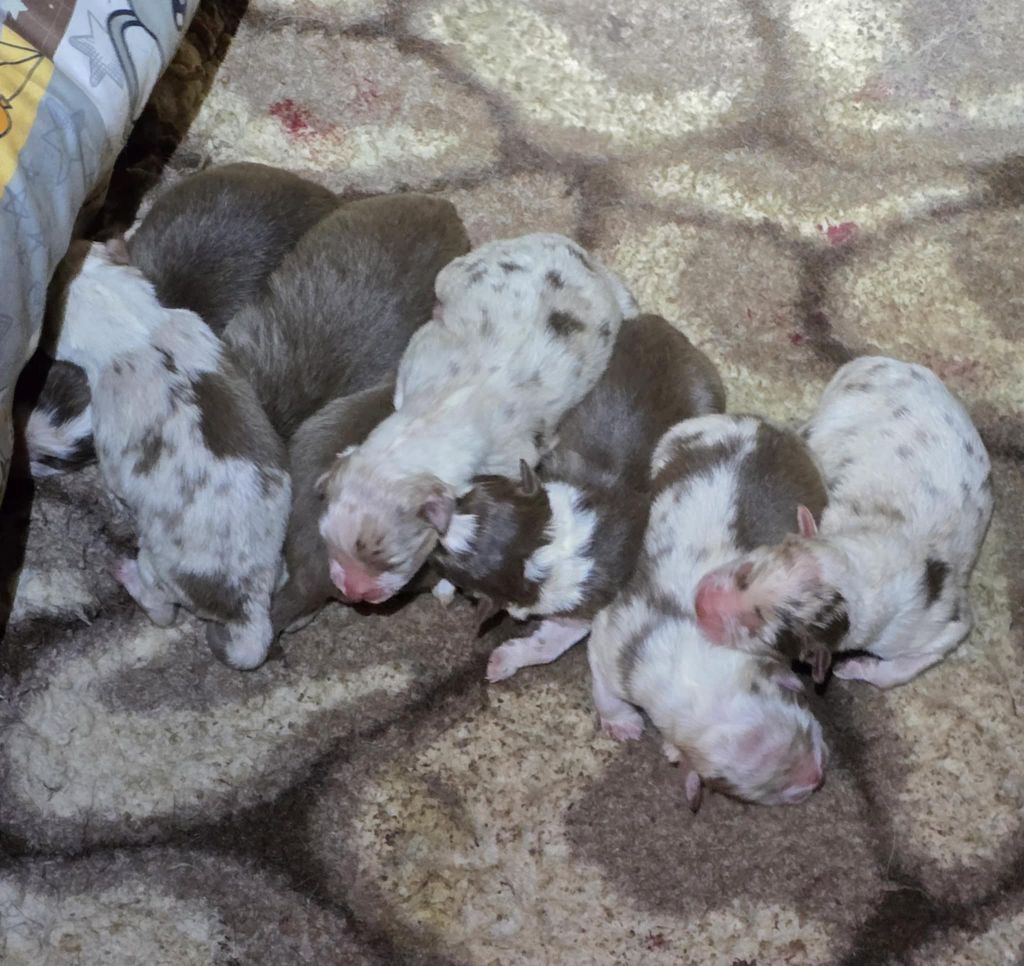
734, 721
910, 500
523, 331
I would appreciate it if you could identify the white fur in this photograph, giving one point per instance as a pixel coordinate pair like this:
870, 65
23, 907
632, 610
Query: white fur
47, 438
505, 315
444, 592
709, 430
458, 538
115, 328
697, 694
939, 492
549, 641
907, 475
562, 565
111, 311
478, 388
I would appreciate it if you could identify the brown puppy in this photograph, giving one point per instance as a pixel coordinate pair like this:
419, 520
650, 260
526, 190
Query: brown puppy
340, 309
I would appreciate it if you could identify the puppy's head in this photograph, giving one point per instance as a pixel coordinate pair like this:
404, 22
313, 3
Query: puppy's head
379, 532
740, 726
98, 303
495, 529
756, 600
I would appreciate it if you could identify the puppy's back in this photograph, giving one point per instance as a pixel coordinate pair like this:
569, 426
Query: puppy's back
210, 241
656, 377
342, 306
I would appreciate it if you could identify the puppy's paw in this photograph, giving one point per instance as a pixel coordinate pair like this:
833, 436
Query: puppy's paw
624, 727
502, 664
444, 592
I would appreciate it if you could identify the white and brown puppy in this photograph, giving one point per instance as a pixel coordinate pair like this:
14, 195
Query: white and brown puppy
721, 483
182, 441
910, 500
340, 309
562, 547
312, 451
207, 244
523, 331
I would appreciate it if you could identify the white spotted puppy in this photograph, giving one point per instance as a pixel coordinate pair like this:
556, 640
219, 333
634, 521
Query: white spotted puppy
734, 721
523, 330
182, 441
562, 547
208, 244
910, 500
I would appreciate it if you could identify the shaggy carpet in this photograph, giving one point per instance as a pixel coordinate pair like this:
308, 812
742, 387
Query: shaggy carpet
793, 182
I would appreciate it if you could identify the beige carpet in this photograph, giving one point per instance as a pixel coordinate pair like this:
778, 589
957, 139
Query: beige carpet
793, 181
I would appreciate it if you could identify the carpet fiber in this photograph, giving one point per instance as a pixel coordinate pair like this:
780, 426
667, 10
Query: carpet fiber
794, 182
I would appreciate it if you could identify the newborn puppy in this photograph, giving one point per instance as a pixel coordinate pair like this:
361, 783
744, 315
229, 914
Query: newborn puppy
722, 485
525, 328
183, 443
339, 311
563, 547
207, 244
210, 241
313, 449
909, 502
538, 303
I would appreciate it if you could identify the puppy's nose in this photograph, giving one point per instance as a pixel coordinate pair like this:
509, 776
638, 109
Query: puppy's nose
359, 585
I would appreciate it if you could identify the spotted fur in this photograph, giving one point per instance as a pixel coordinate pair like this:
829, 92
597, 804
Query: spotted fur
729, 715
182, 442
909, 504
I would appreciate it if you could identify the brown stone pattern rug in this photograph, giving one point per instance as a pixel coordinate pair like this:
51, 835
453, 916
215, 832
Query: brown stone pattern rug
793, 182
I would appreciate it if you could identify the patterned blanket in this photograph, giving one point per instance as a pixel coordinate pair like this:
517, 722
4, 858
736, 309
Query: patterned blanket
793, 182
73, 78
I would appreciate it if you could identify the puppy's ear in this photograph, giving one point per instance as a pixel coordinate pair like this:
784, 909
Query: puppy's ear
786, 678
805, 522
486, 608
437, 506
117, 250
322, 481
528, 479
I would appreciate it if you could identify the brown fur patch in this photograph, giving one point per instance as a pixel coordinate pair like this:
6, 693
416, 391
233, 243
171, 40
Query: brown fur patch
564, 324
774, 480
231, 424
689, 458
211, 597
510, 527
150, 451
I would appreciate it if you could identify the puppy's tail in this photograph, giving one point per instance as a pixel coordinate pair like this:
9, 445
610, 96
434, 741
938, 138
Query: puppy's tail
242, 644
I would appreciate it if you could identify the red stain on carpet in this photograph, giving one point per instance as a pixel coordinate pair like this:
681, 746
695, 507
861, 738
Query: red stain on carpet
841, 234
295, 119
